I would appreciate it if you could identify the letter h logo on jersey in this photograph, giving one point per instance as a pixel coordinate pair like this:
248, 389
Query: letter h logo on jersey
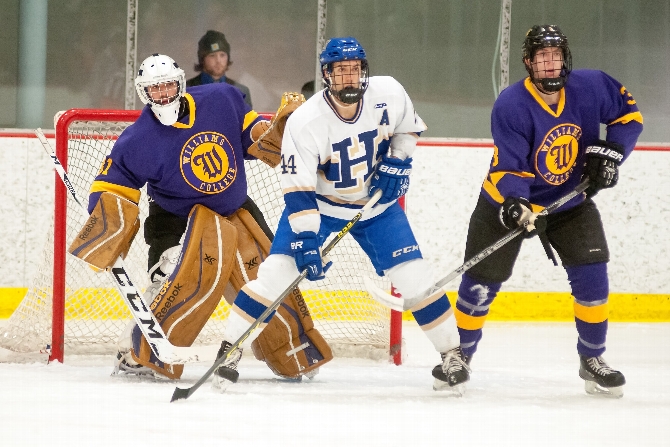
352, 160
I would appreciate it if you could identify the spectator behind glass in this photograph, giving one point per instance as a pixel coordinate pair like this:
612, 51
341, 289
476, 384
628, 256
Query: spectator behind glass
214, 61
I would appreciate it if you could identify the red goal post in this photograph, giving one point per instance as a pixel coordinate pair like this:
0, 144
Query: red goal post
341, 310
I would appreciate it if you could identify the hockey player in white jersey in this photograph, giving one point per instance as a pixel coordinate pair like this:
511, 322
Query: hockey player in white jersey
348, 140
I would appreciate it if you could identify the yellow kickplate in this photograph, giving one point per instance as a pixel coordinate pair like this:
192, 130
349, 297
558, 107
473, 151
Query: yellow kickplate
355, 305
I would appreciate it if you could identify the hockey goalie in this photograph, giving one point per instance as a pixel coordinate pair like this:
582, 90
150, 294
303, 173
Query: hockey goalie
206, 237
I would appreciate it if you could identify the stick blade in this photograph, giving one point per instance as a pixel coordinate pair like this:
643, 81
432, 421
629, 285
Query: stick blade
382, 297
180, 394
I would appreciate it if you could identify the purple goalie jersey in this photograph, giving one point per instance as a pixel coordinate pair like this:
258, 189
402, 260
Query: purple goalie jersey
197, 160
539, 149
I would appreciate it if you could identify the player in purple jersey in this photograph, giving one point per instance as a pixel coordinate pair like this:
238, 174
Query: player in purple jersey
188, 148
546, 134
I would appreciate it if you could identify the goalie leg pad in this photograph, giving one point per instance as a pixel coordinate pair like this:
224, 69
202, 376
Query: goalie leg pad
253, 246
108, 232
290, 344
193, 290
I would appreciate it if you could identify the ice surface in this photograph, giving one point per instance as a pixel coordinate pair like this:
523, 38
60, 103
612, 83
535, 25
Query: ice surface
524, 391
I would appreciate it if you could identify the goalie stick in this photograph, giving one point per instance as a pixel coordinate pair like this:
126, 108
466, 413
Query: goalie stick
401, 304
180, 393
145, 319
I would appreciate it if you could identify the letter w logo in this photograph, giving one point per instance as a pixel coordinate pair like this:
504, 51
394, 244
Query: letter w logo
211, 162
562, 154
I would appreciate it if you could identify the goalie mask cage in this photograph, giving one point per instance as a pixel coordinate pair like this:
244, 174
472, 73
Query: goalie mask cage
70, 307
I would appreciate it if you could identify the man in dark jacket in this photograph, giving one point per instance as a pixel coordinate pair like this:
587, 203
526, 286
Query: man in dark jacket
214, 61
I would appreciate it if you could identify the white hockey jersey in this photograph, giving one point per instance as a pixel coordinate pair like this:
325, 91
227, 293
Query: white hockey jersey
327, 161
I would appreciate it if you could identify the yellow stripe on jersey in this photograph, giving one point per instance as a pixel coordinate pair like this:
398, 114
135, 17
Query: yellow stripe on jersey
131, 194
298, 189
592, 314
561, 99
248, 119
302, 214
191, 114
493, 179
469, 322
627, 118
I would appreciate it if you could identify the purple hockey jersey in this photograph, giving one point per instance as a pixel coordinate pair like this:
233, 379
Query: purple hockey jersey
539, 149
197, 160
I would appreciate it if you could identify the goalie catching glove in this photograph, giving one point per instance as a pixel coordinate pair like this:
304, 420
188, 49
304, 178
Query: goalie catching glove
392, 178
602, 165
268, 136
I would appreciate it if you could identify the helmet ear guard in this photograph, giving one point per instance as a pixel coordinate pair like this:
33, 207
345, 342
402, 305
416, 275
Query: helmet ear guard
158, 70
545, 36
340, 49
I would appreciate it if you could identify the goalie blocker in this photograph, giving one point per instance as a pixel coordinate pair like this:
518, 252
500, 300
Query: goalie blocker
108, 232
216, 252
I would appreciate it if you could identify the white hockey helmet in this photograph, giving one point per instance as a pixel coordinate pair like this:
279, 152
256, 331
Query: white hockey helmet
159, 70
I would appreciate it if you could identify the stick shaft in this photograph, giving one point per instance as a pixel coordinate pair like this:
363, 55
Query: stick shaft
185, 393
145, 319
512, 235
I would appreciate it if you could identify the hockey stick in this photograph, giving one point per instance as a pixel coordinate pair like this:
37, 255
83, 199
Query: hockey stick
145, 319
180, 393
402, 304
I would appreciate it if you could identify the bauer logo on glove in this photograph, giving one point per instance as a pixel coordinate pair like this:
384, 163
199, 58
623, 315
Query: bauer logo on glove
392, 178
394, 171
604, 152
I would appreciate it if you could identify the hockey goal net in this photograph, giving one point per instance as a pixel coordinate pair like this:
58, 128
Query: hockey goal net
71, 307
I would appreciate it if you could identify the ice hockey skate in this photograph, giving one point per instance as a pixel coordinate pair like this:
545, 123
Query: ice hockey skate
452, 373
227, 372
125, 366
599, 378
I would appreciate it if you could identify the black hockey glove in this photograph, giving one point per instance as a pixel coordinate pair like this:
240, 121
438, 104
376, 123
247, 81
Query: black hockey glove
602, 165
514, 212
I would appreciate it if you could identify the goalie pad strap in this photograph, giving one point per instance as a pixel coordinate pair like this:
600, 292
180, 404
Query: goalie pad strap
108, 232
290, 344
194, 289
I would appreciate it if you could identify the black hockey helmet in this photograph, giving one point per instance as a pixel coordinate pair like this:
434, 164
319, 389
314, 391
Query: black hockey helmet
543, 36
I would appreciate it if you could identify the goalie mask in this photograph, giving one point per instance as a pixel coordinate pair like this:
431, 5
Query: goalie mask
161, 83
336, 77
545, 36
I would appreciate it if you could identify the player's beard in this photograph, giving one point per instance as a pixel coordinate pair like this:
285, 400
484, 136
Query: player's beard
350, 95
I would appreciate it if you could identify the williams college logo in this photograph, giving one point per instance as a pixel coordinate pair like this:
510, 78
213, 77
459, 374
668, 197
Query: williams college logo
208, 163
555, 158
